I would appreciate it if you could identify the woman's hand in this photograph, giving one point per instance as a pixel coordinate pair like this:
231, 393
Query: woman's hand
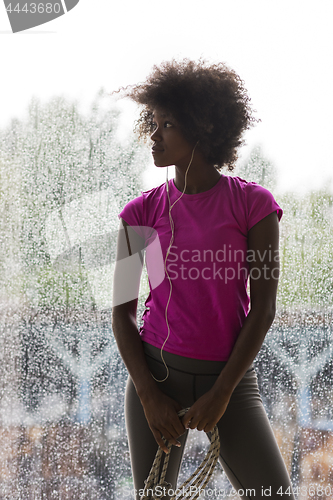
161, 414
206, 411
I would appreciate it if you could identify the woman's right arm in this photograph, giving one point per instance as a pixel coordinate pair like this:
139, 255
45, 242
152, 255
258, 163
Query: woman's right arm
160, 410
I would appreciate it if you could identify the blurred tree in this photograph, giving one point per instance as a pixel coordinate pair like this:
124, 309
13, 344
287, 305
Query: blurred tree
306, 251
257, 168
10, 220
56, 156
63, 174
306, 240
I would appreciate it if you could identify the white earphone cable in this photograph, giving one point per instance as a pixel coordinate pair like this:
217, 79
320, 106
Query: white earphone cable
166, 257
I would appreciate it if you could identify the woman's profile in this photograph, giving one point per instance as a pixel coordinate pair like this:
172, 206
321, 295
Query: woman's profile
201, 330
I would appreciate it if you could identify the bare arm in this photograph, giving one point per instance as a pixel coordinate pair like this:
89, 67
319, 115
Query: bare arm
124, 325
160, 410
263, 239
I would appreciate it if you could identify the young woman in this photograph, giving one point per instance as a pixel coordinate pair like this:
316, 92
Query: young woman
201, 331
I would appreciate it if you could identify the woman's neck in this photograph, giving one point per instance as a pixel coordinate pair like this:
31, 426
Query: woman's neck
199, 178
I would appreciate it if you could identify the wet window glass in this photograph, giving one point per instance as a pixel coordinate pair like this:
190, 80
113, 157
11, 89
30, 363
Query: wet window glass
64, 178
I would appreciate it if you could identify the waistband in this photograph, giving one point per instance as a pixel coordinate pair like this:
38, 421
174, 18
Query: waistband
181, 363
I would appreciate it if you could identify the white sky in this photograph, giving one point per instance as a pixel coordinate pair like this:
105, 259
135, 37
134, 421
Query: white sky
281, 48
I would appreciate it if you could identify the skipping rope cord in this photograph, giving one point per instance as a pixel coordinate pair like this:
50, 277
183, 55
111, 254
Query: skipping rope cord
166, 257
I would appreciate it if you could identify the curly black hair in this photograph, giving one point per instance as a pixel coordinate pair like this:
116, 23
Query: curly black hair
209, 102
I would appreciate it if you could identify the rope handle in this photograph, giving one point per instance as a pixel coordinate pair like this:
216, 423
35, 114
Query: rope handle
193, 486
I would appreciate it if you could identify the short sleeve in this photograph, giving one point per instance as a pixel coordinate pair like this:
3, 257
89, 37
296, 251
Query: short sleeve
260, 203
132, 213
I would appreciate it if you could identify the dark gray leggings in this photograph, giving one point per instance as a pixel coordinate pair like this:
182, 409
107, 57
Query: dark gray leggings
249, 453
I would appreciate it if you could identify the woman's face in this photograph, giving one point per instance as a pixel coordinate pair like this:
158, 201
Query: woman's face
170, 146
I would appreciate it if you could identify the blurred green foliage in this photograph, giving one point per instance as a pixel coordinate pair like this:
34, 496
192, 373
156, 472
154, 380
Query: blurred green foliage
55, 156
306, 238
59, 155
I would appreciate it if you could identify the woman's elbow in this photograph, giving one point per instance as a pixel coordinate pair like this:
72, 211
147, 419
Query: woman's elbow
123, 313
265, 311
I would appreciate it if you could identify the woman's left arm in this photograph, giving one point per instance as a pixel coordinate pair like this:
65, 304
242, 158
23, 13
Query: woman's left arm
263, 242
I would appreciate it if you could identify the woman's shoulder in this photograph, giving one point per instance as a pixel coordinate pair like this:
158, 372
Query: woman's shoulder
147, 195
141, 209
153, 193
247, 189
237, 183
256, 200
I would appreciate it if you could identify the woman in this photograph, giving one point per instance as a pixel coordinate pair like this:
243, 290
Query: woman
199, 336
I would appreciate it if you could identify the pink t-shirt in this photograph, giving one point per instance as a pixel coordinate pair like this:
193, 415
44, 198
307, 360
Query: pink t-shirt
207, 264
